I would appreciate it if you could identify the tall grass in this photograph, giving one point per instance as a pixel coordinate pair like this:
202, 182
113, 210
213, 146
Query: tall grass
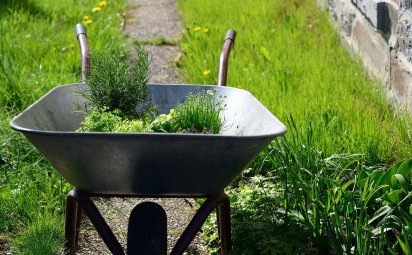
38, 50
326, 174
288, 55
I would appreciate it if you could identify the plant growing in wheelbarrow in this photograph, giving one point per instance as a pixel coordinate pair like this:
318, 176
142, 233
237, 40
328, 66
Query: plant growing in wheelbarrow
118, 94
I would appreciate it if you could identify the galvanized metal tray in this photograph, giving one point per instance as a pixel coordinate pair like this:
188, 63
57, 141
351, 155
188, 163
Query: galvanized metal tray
149, 163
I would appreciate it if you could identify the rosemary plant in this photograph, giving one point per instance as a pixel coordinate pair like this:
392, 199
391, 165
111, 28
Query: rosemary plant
115, 85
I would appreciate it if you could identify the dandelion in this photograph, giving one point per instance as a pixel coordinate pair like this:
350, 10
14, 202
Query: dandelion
206, 73
206, 30
102, 3
88, 22
96, 9
86, 18
124, 14
71, 46
197, 29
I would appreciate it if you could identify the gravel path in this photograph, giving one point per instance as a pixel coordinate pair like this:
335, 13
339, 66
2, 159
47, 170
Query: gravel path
147, 20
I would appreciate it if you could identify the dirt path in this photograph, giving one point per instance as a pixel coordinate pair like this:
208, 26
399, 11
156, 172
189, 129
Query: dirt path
147, 20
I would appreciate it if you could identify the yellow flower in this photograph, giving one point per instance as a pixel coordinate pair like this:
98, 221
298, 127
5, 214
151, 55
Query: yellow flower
102, 3
206, 30
197, 29
86, 17
96, 9
206, 73
124, 14
71, 46
88, 21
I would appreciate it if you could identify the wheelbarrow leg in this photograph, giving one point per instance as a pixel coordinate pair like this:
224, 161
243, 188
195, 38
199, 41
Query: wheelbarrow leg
83, 200
224, 226
72, 226
200, 217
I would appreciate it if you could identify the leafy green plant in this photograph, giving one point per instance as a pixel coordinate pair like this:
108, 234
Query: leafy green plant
110, 121
347, 206
199, 113
114, 85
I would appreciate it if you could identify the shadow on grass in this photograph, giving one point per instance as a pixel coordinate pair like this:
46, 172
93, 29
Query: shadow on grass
26, 6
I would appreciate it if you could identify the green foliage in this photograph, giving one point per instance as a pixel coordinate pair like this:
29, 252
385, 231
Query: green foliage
43, 237
286, 55
106, 121
347, 206
112, 84
342, 132
39, 52
199, 113
163, 123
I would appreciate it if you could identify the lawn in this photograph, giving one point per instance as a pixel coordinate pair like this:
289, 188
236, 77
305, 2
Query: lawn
320, 189
327, 187
38, 51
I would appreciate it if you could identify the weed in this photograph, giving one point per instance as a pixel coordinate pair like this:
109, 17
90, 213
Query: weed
158, 41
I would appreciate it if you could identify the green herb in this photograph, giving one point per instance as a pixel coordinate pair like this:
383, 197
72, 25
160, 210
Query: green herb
110, 121
113, 84
200, 113
163, 123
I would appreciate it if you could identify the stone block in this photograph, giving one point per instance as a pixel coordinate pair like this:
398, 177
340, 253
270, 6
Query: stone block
372, 47
400, 92
405, 37
405, 4
369, 8
380, 13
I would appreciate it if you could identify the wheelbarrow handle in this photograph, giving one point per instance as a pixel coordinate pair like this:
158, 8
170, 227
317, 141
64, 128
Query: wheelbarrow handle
224, 57
84, 49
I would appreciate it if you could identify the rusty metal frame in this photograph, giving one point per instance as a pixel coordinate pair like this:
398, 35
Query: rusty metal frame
79, 201
224, 57
84, 50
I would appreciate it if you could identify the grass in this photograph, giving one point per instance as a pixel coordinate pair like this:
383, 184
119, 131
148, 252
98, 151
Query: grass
38, 51
288, 55
158, 41
46, 229
342, 133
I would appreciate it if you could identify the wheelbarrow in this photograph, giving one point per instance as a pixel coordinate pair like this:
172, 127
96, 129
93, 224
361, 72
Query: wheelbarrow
148, 164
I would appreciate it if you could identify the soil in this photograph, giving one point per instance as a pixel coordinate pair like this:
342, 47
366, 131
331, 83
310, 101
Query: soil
4, 249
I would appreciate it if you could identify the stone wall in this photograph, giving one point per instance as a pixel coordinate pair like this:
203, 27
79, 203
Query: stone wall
380, 32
